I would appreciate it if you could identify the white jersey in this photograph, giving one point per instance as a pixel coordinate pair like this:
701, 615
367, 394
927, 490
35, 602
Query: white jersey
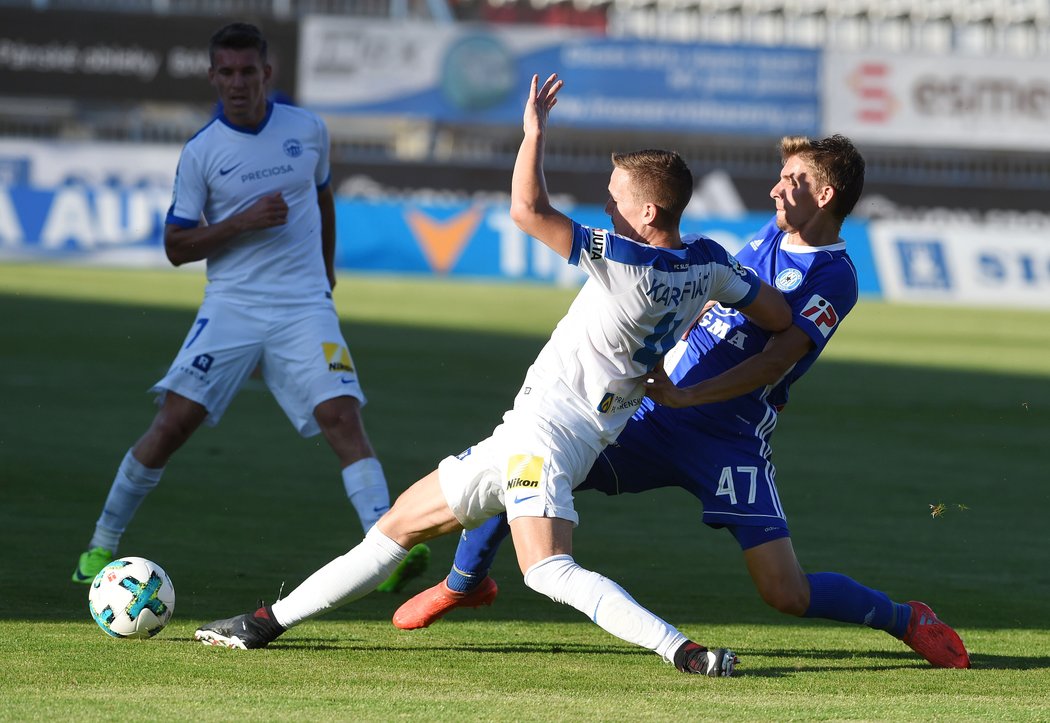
635, 305
224, 169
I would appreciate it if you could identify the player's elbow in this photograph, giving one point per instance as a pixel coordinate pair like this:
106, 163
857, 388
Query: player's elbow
523, 215
176, 257
781, 318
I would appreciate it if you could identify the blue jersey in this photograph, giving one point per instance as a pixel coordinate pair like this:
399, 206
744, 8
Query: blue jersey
820, 285
721, 453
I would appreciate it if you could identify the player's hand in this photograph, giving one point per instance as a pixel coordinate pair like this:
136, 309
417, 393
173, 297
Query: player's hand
660, 388
267, 212
541, 100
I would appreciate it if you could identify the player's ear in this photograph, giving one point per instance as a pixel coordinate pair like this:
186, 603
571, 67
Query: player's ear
267, 72
825, 197
650, 212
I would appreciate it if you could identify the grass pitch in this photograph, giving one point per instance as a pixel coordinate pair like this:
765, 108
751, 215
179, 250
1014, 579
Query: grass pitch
911, 410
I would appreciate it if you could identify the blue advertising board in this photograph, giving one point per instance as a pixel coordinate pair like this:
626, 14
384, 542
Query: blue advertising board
125, 225
480, 74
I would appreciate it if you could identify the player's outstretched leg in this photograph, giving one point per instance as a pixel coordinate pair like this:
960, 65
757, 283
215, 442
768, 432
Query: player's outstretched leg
431, 605
245, 632
696, 659
414, 565
933, 639
467, 585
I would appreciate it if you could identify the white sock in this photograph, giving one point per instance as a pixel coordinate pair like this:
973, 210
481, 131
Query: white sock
605, 603
131, 484
366, 487
345, 578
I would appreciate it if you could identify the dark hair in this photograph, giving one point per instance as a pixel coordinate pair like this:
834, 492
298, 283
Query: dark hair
835, 162
659, 177
237, 36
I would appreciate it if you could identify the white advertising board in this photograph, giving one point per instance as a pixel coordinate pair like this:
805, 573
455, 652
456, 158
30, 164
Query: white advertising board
937, 101
971, 264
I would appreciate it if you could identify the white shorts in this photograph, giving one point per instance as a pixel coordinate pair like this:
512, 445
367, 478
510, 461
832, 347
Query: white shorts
300, 349
528, 467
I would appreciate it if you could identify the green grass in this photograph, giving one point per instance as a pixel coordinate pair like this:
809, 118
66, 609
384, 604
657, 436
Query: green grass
910, 406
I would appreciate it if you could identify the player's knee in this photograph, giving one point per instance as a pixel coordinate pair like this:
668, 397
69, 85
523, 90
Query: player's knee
785, 597
552, 577
342, 414
170, 430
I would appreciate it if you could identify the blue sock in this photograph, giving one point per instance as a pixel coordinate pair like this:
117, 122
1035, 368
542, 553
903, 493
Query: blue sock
836, 597
475, 553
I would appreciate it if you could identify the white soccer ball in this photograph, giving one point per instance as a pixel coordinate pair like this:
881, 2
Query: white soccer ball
131, 598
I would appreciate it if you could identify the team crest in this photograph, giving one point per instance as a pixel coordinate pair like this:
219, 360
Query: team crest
293, 148
788, 279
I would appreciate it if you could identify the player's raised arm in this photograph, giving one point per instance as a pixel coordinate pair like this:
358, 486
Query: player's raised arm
530, 206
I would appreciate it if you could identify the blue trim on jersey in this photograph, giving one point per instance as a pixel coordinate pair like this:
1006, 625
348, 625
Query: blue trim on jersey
174, 220
204, 128
634, 253
254, 131
756, 286
579, 233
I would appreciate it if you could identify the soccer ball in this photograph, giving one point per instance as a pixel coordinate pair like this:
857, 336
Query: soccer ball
131, 598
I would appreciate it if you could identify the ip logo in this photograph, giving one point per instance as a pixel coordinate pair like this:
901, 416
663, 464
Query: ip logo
923, 265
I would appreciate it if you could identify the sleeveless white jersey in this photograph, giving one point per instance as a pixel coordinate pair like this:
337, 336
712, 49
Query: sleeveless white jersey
224, 169
634, 306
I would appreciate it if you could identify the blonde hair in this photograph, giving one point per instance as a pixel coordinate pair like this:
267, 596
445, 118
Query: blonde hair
835, 162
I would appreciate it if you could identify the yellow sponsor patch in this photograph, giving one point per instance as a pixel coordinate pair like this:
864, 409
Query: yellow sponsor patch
338, 357
524, 470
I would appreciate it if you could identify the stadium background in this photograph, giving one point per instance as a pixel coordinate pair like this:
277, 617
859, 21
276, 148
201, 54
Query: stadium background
948, 100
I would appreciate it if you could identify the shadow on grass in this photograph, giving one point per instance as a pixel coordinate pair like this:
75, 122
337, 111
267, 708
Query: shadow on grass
862, 452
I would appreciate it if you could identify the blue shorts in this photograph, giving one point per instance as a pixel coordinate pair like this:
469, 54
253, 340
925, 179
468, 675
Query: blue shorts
730, 473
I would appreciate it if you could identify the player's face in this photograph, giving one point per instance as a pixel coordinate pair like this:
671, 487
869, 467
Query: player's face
795, 195
622, 208
240, 77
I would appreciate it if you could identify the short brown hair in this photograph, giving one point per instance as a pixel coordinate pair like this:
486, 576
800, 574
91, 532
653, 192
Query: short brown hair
237, 36
835, 162
659, 177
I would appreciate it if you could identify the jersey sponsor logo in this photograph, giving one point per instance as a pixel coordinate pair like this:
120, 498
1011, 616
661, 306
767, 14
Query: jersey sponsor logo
231, 169
788, 279
524, 470
737, 267
519, 500
293, 148
615, 403
598, 239
203, 362
266, 173
720, 328
755, 243
465, 453
823, 315
337, 356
